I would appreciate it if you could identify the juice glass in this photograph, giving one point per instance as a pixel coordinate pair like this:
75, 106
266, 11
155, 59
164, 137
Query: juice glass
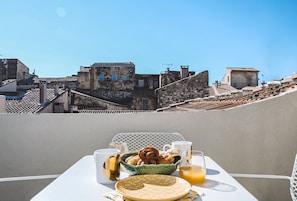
193, 171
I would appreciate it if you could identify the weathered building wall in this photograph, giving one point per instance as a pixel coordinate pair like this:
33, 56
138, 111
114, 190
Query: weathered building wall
17, 70
173, 76
144, 91
109, 81
169, 77
241, 79
190, 87
83, 79
114, 78
144, 99
13, 69
63, 82
85, 102
117, 82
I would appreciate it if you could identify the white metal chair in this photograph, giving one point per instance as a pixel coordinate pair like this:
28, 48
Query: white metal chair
292, 179
138, 140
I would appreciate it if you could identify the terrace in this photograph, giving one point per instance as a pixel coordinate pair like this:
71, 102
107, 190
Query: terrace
258, 137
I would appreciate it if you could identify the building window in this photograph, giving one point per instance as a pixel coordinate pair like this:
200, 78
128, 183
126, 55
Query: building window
156, 84
114, 77
140, 83
101, 77
151, 83
145, 105
124, 77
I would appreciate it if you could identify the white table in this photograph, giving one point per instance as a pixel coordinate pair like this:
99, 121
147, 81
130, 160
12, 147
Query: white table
78, 183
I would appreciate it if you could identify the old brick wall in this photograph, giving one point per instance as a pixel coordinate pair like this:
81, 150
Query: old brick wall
195, 86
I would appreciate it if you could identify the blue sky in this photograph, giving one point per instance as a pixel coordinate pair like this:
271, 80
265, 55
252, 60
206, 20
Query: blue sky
56, 37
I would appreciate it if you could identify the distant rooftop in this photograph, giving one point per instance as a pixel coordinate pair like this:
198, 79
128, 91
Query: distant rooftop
111, 64
242, 69
29, 102
233, 98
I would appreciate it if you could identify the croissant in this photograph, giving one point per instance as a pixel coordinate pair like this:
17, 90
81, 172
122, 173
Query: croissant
150, 155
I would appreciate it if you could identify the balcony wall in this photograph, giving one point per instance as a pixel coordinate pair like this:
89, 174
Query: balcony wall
255, 138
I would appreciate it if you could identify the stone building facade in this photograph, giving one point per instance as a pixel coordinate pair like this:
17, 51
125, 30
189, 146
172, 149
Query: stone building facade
144, 91
69, 82
83, 101
195, 86
241, 77
173, 76
118, 83
13, 69
114, 85
109, 81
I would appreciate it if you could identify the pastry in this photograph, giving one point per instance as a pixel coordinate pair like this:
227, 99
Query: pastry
150, 155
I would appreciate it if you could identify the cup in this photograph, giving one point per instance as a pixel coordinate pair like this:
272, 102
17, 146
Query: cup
184, 148
107, 165
122, 146
193, 171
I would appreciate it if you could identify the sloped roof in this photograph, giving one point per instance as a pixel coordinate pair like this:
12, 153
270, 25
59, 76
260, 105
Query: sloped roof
96, 98
5, 82
225, 101
221, 88
29, 102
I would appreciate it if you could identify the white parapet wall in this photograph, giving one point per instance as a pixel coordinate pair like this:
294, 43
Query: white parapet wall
255, 138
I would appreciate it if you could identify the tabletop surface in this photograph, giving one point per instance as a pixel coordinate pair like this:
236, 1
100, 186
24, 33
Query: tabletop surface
79, 183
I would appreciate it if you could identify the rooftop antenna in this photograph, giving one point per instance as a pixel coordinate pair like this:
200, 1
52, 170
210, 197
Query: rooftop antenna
168, 66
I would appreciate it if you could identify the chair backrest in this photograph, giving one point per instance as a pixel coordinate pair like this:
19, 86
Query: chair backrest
293, 182
138, 140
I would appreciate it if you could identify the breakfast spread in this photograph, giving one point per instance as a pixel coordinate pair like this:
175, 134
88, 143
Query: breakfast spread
150, 155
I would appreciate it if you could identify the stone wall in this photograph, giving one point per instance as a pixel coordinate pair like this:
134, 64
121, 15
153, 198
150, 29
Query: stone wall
195, 86
144, 91
144, 99
13, 69
85, 102
109, 81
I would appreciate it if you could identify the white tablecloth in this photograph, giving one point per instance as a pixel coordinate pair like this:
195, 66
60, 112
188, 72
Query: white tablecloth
78, 183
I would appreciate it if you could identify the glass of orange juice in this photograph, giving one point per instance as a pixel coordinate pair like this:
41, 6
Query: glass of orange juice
193, 171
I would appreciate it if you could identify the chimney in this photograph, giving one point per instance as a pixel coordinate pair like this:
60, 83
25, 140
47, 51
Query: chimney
56, 90
184, 71
2, 104
42, 92
217, 84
